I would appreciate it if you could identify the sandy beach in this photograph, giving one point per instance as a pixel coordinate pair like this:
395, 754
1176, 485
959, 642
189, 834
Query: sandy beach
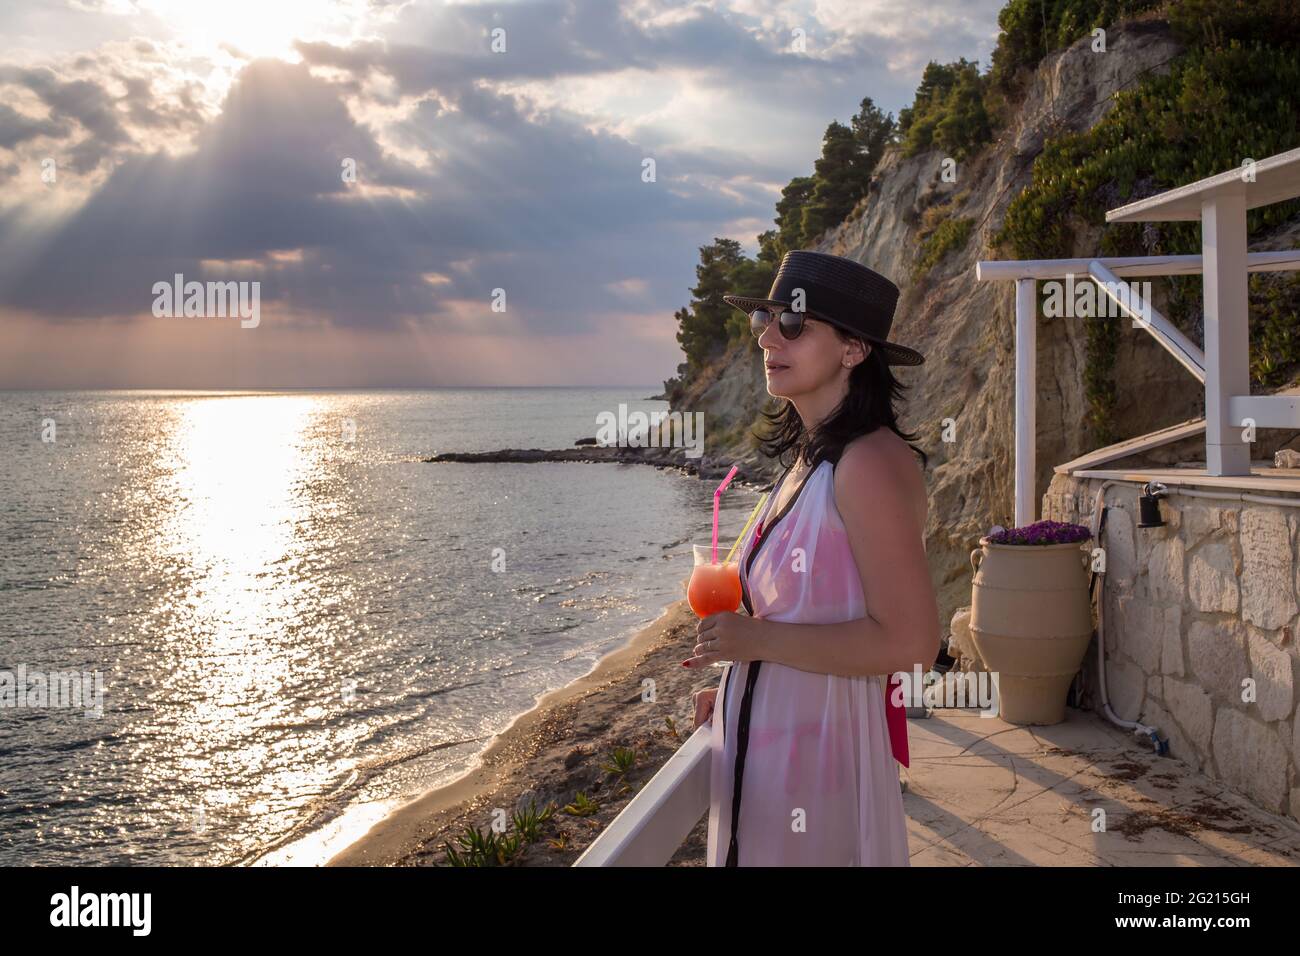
559, 749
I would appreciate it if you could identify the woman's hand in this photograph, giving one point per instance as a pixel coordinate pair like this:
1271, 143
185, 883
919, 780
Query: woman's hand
727, 636
704, 700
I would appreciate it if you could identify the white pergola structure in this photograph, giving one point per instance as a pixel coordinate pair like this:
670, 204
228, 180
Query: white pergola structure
1220, 203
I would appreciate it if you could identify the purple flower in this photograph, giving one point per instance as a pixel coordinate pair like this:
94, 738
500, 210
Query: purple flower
1042, 532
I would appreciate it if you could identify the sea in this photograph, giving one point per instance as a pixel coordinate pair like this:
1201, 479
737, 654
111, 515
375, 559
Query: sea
240, 627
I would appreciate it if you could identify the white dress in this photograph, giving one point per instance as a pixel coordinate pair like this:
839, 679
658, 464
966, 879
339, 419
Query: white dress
819, 780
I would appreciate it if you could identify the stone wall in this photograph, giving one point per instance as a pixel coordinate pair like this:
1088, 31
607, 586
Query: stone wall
1197, 614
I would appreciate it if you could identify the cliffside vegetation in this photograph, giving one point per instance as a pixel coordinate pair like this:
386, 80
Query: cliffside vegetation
1227, 97
949, 112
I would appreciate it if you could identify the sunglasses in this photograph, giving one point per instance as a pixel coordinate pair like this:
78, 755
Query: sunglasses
789, 323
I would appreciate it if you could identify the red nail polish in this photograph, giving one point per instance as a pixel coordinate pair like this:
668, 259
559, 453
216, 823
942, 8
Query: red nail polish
686, 663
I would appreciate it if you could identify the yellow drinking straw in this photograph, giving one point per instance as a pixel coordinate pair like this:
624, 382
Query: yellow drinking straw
745, 530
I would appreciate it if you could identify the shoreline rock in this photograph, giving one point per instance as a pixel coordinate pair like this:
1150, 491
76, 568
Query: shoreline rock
750, 469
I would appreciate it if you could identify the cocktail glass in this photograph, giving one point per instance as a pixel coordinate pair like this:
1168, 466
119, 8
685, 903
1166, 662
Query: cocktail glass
714, 586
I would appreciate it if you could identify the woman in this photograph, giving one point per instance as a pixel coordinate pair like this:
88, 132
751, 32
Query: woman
837, 585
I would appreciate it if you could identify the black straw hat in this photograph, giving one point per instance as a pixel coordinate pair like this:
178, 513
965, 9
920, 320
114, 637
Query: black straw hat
840, 291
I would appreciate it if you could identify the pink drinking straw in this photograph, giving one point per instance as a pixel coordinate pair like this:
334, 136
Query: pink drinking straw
717, 500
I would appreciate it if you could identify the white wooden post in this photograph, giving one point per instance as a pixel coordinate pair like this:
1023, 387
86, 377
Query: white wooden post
1227, 337
1026, 397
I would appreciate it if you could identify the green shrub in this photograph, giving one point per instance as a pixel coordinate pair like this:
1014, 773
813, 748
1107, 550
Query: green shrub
1274, 328
948, 112
950, 235
1031, 29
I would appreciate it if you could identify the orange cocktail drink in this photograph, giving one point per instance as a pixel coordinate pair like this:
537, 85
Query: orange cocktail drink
714, 586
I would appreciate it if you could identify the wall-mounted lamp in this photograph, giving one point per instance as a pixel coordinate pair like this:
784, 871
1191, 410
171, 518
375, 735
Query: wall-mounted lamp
1149, 505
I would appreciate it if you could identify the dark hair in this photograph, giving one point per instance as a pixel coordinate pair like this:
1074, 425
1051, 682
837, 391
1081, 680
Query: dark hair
868, 405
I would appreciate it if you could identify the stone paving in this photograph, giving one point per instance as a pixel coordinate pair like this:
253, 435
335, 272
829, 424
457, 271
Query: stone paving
984, 792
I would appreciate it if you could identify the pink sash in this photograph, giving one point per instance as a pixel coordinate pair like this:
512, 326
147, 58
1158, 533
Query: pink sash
896, 718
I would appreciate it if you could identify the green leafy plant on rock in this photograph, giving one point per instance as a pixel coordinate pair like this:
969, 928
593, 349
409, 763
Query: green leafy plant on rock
949, 236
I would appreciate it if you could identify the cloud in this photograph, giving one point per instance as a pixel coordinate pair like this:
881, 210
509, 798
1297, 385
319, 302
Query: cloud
531, 205
17, 128
84, 102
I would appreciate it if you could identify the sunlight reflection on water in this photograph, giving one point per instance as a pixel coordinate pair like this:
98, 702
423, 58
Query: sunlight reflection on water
295, 623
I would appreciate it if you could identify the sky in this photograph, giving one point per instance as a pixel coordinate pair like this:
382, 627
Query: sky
408, 194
